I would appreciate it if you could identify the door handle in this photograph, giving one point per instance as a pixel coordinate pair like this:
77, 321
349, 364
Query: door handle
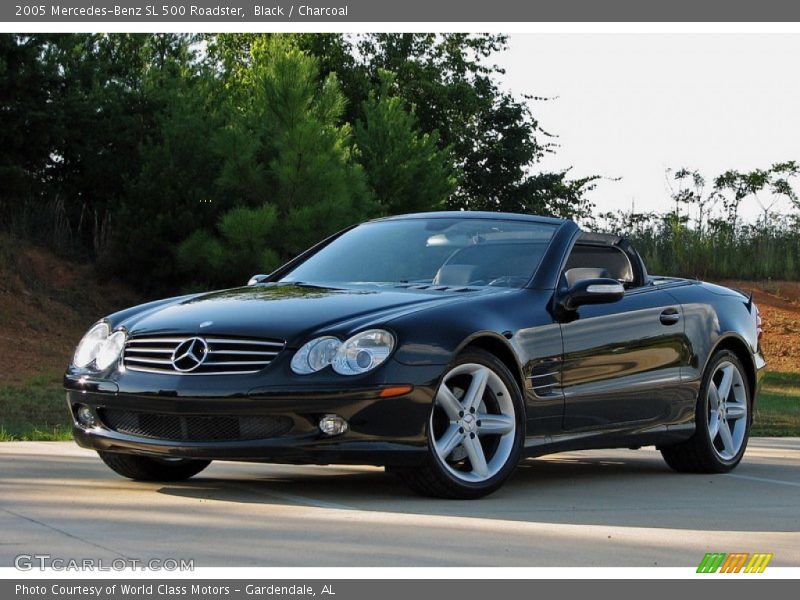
670, 316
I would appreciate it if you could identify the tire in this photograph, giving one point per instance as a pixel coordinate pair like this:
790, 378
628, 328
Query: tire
495, 430
144, 468
706, 452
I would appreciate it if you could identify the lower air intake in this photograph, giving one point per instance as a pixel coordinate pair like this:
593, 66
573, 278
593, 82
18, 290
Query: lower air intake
196, 428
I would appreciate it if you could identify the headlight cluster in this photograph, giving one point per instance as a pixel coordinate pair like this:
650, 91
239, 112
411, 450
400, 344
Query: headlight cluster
99, 347
361, 353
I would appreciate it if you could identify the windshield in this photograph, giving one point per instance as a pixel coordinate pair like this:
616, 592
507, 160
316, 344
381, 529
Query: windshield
437, 251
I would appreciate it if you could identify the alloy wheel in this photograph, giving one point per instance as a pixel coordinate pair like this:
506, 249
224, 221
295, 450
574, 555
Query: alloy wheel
473, 423
727, 410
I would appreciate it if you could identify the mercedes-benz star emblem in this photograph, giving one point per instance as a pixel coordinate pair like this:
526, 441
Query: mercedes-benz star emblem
189, 354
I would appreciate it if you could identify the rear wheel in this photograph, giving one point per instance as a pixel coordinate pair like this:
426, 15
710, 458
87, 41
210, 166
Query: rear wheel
475, 432
722, 420
145, 468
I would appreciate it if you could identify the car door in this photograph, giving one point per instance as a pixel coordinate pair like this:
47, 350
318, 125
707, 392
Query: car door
622, 361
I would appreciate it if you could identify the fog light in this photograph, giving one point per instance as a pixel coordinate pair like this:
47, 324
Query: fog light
86, 416
332, 425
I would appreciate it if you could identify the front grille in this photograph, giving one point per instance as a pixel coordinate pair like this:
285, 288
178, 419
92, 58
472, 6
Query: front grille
195, 428
216, 355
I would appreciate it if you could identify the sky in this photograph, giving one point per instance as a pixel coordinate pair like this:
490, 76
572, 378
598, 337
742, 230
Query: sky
630, 106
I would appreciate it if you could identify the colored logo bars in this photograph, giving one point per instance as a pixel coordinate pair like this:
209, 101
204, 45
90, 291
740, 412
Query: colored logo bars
744, 562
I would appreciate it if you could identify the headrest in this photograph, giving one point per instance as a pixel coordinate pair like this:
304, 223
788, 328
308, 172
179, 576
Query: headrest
580, 273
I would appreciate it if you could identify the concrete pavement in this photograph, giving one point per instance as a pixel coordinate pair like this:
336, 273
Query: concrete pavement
597, 508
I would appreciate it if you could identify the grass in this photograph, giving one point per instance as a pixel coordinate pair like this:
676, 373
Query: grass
36, 409
57, 434
778, 407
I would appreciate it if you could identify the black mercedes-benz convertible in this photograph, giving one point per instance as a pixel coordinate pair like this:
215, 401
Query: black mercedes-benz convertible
443, 346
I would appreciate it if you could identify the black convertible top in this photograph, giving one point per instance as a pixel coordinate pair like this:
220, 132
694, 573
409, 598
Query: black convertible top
607, 239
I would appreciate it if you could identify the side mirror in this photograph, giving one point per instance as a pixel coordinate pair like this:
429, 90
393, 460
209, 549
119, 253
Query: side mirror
592, 291
257, 279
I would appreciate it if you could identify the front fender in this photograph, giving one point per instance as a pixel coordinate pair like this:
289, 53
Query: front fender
437, 335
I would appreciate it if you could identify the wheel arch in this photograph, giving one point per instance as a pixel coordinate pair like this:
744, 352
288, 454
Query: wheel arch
498, 346
739, 347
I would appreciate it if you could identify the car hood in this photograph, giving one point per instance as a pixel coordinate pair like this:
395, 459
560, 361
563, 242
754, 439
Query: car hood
285, 311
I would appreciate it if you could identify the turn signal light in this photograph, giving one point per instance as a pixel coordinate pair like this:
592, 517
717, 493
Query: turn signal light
395, 390
759, 330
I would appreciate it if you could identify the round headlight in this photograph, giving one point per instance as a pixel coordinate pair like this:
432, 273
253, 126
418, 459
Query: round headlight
363, 352
90, 345
315, 355
110, 350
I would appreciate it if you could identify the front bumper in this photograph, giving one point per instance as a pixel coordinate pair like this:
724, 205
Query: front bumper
382, 431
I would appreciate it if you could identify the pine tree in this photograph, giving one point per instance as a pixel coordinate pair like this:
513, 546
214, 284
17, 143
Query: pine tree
406, 170
289, 169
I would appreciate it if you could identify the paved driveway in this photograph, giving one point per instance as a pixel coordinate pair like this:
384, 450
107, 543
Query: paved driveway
597, 508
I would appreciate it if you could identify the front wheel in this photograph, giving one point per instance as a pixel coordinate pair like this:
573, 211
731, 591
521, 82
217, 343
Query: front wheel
722, 420
144, 468
475, 432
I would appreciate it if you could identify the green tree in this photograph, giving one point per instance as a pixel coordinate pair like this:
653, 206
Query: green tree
451, 82
406, 170
28, 121
766, 186
289, 170
494, 137
172, 192
237, 252
123, 147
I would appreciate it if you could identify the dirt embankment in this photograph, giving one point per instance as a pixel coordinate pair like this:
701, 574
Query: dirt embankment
46, 305
779, 303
